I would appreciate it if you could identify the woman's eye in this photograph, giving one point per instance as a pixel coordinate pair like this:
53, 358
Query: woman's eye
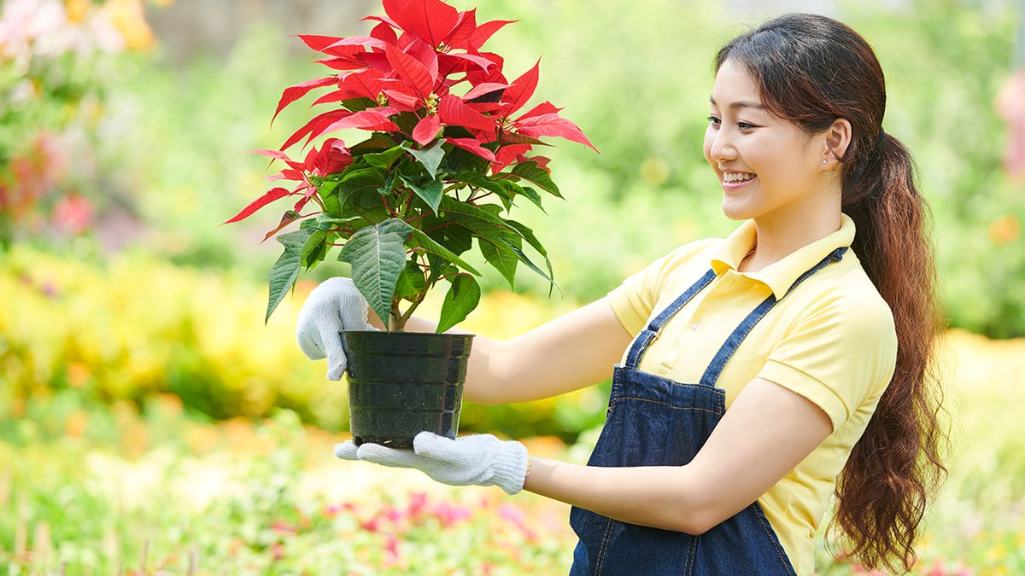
742, 125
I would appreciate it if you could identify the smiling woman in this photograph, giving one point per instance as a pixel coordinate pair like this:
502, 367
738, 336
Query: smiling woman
758, 374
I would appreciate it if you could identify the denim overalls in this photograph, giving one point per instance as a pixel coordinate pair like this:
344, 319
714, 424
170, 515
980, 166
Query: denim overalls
655, 421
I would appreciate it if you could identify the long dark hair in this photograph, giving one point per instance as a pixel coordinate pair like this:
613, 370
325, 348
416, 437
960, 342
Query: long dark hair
812, 70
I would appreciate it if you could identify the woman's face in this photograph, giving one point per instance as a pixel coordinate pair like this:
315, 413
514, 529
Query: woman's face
744, 137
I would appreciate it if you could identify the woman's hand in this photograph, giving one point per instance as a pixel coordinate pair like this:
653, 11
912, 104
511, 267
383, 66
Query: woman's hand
479, 459
333, 307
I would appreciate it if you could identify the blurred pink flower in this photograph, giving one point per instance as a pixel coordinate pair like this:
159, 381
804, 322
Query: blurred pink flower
449, 514
391, 548
371, 525
1010, 105
73, 214
417, 504
511, 513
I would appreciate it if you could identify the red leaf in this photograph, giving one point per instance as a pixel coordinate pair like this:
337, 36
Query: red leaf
375, 60
485, 31
385, 33
431, 20
509, 152
479, 61
412, 72
280, 156
332, 158
382, 19
270, 196
456, 113
394, 10
545, 107
343, 63
369, 119
286, 219
484, 88
359, 41
406, 102
494, 75
553, 125
459, 37
322, 119
472, 145
520, 90
317, 42
427, 56
364, 84
426, 129
293, 93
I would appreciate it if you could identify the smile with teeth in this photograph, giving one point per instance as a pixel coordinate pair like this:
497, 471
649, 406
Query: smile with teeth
736, 177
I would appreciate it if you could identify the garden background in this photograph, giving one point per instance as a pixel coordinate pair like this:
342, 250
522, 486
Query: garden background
150, 423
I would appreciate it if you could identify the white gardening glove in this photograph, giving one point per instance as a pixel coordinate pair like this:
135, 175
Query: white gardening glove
479, 459
334, 306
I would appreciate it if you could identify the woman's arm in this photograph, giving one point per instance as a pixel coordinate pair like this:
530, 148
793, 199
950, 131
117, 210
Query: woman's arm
766, 432
570, 352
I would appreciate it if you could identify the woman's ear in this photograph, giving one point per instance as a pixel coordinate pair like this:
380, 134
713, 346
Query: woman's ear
837, 139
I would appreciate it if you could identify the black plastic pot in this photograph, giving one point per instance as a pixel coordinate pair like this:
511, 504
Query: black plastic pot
402, 383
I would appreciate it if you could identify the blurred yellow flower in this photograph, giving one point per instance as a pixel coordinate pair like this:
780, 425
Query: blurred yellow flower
129, 18
1004, 229
654, 170
77, 9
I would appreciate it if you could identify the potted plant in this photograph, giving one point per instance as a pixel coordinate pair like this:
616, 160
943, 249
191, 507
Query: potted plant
437, 170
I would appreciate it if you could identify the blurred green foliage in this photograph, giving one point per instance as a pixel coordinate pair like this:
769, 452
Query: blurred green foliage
636, 81
154, 487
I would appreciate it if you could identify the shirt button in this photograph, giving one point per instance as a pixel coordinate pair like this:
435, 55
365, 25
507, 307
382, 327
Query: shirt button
694, 327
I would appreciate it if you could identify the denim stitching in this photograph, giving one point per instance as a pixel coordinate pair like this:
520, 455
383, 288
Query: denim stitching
601, 551
716, 412
764, 523
689, 569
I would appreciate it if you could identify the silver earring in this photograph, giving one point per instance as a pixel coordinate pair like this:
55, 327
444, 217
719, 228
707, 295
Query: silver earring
823, 161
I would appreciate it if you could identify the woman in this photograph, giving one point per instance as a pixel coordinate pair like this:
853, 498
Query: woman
815, 338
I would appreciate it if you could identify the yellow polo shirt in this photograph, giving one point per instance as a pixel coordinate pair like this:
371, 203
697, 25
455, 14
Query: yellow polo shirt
832, 340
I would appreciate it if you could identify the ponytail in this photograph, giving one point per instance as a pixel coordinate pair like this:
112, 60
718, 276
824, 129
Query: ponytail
897, 464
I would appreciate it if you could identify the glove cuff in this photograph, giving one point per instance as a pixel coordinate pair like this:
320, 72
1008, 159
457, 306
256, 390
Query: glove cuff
510, 467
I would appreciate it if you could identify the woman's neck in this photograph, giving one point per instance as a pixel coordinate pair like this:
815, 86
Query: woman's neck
788, 229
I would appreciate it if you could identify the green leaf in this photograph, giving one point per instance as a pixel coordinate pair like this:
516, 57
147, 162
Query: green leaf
428, 243
455, 206
527, 191
285, 271
430, 157
314, 249
378, 142
384, 159
431, 193
411, 282
532, 173
359, 191
358, 104
377, 256
499, 255
461, 299
528, 235
329, 196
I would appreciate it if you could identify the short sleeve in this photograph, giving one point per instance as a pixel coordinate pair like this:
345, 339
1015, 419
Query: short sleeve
635, 298
839, 354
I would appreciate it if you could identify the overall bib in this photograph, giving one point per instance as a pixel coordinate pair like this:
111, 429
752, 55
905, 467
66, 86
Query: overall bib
656, 421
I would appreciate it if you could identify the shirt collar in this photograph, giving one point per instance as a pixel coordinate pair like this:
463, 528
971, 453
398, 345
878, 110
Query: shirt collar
780, 275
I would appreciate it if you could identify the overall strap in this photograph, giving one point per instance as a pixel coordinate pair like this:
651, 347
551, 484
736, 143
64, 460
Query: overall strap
644, 338
715, 367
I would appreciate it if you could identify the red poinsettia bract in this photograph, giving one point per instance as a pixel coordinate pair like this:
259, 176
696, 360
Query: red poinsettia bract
409, 63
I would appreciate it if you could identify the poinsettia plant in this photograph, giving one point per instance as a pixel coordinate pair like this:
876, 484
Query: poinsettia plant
436, 170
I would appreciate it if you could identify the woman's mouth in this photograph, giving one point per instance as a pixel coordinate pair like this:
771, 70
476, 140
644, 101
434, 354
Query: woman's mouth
737, 184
